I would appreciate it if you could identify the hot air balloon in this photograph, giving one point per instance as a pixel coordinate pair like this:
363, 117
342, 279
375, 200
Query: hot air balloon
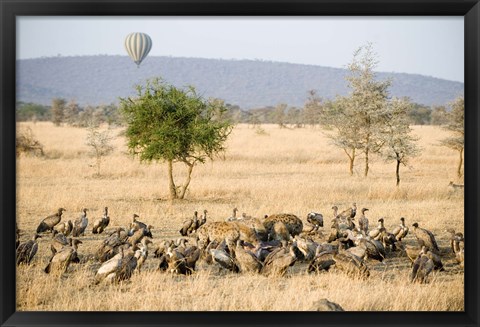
138, 46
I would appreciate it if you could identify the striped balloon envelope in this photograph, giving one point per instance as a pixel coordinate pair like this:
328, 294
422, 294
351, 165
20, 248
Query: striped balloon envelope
138, 46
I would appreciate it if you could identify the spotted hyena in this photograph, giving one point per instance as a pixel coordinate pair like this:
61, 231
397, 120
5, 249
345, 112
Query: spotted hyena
217, 231
251, 230
292, 222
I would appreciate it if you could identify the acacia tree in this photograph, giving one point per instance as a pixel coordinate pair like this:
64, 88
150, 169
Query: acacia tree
100, 143
399, 143
455, 125
340, 120
280, 114
369, 100
313, 109
165, 123
70, 113
58, 108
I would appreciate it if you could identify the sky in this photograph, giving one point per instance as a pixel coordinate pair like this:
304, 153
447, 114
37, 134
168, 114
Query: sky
431, 46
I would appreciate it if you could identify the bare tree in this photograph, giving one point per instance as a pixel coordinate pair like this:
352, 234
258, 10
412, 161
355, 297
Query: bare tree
100, 142
399, 143
455, 126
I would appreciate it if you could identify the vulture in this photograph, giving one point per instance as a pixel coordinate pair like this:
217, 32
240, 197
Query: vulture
26, 251
388, 239
136, 224
277, 262
322, 261
363, 221
263, 249
64, 228
194, 226
120, 267
143, 252
401, 230
375, 233
101, 223
176, 262
374, 249
246, 260
437, 261
316, 219
111, 245
48, 223
350, 212
161, 253
360, 251
234, 216
80, 224
335, 212
59, 240
351, 265
410, 250
326, 305
191, 254
61, 259
127, 265
307, 248
224, 259
455, 239
422, 267
203, 219
109, 268
187, 224
137, 236
425, 238
460, 255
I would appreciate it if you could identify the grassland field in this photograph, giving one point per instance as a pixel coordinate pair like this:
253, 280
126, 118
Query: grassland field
291, 170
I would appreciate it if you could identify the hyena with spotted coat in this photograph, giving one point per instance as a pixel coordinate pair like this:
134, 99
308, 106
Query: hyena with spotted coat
293, 224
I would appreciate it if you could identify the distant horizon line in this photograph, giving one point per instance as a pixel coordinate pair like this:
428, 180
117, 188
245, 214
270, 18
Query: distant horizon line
231, 59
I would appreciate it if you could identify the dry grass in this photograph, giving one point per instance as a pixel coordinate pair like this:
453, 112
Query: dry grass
284, 170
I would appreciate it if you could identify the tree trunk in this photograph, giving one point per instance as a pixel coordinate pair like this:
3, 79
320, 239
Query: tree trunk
460, 162
351, 159
366, 162
187, 181
171, 186
99, 162
398, 172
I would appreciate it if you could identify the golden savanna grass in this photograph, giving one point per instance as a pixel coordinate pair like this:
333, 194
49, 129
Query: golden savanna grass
282, 170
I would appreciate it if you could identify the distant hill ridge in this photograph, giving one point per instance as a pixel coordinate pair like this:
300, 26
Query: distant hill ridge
102, 79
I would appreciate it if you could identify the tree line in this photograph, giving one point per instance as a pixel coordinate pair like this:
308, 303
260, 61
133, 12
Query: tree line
63, 111
310, 114
68, 112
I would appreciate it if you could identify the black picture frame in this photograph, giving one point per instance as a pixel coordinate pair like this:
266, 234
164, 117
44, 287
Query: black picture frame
470, 9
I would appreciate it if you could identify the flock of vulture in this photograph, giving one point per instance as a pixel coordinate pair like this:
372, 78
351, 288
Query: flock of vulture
243, 244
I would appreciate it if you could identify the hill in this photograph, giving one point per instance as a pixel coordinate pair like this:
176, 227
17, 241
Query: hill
102, 79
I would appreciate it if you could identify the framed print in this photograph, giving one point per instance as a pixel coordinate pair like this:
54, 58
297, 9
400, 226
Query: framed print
243, 163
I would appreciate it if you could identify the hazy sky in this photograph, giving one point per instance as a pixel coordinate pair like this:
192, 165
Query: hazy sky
432, 46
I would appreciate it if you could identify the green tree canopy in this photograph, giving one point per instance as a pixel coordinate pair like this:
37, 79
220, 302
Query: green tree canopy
165, 123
